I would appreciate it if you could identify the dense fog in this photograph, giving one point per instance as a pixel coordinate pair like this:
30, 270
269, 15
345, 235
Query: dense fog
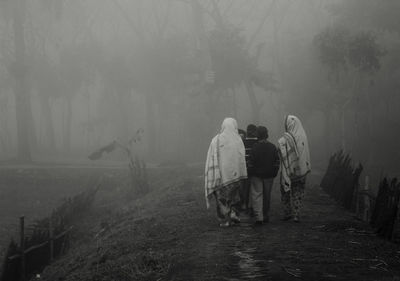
76, 75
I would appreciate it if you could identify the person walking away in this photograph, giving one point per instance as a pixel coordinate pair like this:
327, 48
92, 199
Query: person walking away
249, 141
241, 205
242, 134
295, 166
265, 159
225, 169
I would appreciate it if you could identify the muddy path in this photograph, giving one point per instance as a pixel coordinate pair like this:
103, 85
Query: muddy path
329, 244
169, 235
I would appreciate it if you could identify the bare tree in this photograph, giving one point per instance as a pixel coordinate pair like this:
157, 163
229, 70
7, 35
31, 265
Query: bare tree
23, 106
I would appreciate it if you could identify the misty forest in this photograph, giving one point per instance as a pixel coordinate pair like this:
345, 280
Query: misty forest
111, 138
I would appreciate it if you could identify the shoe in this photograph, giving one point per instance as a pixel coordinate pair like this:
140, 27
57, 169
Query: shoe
296, 219
258, 223
251, 213
286, 218
224, 224
235, 218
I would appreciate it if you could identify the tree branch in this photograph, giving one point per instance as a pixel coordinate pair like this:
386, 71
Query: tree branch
260, 26
129, 20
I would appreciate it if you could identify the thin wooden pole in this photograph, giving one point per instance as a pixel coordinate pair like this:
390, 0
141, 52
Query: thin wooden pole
358, 195
51, 234
366, 213
22, 246
395, 235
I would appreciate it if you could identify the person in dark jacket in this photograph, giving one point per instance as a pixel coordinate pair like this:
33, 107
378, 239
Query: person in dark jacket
265, 160
249, 141
242, 134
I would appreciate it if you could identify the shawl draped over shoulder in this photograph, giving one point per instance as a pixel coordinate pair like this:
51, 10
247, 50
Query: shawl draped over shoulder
225, 162
294, 152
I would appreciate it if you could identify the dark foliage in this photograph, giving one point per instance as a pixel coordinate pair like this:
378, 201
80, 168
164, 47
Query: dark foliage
364, 52
341, 179
36, 258
385, 216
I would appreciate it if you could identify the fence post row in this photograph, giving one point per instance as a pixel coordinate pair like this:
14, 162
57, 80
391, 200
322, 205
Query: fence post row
22, 245
17, 262
381, 211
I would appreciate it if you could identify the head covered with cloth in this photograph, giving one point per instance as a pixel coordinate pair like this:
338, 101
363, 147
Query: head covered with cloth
294, 150
225, 162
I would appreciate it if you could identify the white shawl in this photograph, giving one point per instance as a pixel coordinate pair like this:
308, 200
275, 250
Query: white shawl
225, 162
295, 153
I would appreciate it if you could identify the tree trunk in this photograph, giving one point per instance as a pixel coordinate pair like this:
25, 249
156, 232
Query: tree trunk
4, 134
329, 132
33, 141
67, 126
370, 144
255, 107
277, 62
234, 103
124, 124
343, 129
21, 88
50, 142
151, 123
206, 62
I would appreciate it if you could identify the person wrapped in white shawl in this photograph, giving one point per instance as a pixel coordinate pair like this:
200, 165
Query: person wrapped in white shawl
295, 165
225, 168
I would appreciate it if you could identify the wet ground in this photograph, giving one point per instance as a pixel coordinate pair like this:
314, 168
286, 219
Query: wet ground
328, 244
169, 235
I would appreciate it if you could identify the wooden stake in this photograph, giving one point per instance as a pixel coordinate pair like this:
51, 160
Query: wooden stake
22, 246
395, 235
358, 196
367, 206
51, 239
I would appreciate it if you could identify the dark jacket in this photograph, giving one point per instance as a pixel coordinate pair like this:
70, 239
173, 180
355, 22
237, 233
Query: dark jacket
265, 159
249, 142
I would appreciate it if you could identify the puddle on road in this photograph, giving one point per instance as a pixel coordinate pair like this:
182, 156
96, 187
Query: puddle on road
243, 259
249, 267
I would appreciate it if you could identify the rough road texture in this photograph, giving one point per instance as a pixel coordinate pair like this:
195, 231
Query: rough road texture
329, 244
168, 235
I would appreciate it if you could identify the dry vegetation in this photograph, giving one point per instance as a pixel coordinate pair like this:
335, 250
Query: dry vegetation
168, 235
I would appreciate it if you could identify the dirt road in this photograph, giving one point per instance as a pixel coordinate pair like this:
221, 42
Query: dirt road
169, 235
329, 244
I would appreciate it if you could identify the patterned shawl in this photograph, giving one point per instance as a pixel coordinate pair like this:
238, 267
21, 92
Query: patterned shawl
295, 153
225, 162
